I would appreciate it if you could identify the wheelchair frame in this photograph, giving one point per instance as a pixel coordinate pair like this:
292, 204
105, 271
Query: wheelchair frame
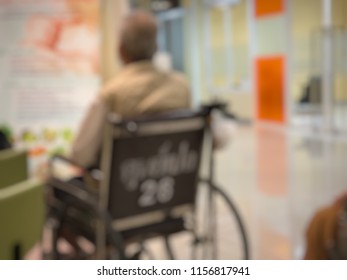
105, 232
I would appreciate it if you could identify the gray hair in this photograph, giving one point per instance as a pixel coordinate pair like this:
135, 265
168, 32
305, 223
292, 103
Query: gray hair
138, 35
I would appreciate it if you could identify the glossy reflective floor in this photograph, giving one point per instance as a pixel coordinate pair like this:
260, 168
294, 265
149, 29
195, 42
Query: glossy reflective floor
278, 178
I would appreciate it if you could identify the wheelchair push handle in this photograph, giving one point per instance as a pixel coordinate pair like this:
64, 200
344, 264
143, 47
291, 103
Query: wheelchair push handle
221, 107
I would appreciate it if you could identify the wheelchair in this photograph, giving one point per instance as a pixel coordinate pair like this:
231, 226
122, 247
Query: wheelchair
150, 195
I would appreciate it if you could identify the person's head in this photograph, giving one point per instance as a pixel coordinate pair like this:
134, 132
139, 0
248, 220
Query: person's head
138, 37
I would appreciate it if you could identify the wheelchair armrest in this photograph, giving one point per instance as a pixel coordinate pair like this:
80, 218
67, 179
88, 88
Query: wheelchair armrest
94, 173
67, 160
75, 192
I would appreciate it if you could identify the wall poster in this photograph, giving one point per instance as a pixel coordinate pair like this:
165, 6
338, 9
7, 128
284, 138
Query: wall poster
49, 70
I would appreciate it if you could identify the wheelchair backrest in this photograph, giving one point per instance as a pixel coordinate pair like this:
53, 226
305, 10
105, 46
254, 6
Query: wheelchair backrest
151, 165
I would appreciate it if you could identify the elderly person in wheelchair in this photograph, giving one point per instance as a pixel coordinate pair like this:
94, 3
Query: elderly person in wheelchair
139, 89
140, 133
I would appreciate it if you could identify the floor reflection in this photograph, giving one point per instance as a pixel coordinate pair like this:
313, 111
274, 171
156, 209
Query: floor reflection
279, 178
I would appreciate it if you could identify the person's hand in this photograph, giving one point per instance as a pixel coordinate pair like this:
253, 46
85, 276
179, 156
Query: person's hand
222, 130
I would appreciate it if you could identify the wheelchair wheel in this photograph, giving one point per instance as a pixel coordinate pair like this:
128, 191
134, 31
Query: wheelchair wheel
219, 231
215, 231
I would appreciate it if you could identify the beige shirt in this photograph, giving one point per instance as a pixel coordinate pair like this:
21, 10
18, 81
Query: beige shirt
139, 89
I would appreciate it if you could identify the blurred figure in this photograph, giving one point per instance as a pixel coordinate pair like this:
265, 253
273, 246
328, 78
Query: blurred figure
140, 88
312, 93
326, 234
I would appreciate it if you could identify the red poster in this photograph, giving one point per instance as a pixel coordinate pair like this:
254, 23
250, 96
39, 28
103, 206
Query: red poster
270, 88
268, 7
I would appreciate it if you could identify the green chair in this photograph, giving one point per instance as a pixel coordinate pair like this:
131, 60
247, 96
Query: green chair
13, 167
21, 207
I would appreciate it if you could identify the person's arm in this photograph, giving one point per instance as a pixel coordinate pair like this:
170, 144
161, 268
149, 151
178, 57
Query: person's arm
87, 144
